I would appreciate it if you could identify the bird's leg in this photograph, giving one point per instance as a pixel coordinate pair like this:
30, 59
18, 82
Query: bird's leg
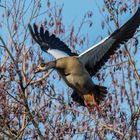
96, 105
88, 107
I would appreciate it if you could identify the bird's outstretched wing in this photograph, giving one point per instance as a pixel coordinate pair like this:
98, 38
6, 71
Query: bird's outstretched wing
96, 56
50, 43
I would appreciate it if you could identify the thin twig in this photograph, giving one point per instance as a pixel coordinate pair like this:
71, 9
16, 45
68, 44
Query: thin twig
97, 122
128, 53
42, 78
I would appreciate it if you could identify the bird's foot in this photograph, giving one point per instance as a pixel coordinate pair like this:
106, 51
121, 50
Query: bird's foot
88, 107
93, 104
98, 108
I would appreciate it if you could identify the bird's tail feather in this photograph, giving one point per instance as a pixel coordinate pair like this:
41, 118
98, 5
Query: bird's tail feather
99, 93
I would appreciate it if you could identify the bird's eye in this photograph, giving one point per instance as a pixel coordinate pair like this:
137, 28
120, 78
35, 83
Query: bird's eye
42, 64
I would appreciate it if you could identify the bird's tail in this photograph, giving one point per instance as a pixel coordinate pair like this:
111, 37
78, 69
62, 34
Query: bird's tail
94, 98
99, 93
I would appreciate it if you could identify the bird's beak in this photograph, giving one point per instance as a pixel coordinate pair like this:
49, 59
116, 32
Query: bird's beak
37, 70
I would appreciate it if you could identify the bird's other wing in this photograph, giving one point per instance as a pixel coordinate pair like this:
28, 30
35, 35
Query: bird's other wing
96, 56
50, 43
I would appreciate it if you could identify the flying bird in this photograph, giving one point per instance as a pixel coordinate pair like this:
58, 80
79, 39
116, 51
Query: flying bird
77, 70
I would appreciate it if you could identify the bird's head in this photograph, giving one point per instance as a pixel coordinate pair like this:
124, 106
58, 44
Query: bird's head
45, 67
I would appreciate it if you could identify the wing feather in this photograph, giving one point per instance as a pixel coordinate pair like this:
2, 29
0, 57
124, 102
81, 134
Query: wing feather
95, 57
50, 43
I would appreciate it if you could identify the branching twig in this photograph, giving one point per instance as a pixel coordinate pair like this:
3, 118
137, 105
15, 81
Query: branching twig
42, 78
128, 53
8, 51
133, 124
97, 122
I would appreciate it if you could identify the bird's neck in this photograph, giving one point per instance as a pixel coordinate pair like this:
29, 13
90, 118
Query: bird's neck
52, 64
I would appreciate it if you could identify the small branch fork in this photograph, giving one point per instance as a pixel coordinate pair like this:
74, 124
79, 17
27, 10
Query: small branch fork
137, 115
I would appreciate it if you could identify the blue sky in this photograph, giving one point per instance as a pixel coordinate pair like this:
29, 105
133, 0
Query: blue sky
73, 12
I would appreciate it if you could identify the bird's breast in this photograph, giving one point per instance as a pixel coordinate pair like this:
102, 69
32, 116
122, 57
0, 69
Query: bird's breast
74, 73
79, 82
